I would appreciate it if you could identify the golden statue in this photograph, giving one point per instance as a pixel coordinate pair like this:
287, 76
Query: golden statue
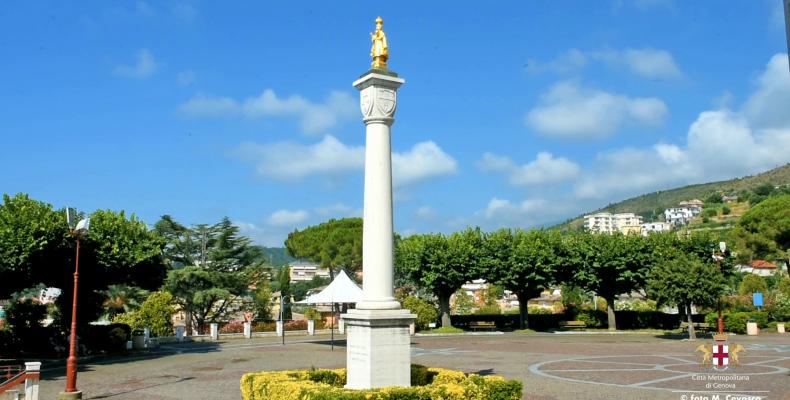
379, 51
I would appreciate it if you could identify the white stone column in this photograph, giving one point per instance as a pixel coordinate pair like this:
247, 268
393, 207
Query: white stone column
247, 330
378, 100
214, 331
378, 351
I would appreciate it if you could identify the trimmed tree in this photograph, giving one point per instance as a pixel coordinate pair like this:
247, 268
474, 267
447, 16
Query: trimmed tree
683, 280
522, 262
441, 264
608, 265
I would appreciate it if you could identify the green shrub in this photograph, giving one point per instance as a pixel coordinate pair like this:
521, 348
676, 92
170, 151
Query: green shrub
592, 318
426, 312
427, 384
535, 310
155, 313
312, 314
446, 329
725, 210
735, 322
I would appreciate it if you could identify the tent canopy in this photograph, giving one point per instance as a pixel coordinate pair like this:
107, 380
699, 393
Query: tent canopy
341, 290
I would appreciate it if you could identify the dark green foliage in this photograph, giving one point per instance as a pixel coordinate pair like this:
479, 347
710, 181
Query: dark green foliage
326, 376
105, 338
24, 319
725, 210
714, 198
299, 289
764, 231
334, 244
204, 293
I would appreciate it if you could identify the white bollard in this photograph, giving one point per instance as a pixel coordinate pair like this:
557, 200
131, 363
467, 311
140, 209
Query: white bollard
247, 330
180, 333
146, 336
752, 329
341, 326
310, 327
412, 328
780, 328
31, 381
279, 328
214, 331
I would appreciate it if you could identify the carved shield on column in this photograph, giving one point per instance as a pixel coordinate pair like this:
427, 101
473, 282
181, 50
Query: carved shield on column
366, 102
385, 101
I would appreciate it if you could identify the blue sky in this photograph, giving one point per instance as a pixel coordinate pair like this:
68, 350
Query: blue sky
517, 114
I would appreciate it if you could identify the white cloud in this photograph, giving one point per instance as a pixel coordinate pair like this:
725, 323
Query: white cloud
338, 210
649, 63
769, 106
646, 62
425, 212
313, 117
529, 212
266, 236
291, 161
144, 66
424, 161
186, 78
571, 111
545, 169
288, 218
568, 62
720, 144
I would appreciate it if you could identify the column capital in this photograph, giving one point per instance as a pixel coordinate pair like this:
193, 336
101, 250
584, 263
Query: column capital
378, 96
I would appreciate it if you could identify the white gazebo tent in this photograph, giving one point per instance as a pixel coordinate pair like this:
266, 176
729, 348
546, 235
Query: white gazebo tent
341, 290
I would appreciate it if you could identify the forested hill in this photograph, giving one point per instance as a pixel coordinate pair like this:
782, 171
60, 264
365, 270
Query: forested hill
277, 256
647, 204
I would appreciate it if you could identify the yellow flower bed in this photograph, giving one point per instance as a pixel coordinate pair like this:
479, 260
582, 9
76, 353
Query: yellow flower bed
427, 384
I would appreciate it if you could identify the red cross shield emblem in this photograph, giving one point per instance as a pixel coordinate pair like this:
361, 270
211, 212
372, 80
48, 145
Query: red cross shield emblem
721, 356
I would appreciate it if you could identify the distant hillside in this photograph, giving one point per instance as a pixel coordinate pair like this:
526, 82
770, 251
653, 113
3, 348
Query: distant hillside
277, 256
647, 204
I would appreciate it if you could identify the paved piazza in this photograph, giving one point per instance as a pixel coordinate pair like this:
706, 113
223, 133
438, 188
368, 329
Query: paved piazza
551, 366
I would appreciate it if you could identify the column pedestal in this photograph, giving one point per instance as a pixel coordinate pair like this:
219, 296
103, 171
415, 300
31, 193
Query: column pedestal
378, 349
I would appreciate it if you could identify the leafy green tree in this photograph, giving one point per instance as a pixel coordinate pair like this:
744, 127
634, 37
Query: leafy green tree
284, 285
714, 198
683, 280
523, 262
334, 244
155, 313
262, 301
608, 265
752, 284
441, 264
299, 289
204, 295
764, 230
34, 242
425, 311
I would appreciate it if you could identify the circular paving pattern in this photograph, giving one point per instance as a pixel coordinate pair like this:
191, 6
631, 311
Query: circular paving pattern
665, 372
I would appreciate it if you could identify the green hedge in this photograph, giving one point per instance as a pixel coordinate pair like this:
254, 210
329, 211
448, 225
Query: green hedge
427, 384
736, 322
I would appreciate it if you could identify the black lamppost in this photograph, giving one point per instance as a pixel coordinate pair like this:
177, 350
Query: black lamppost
78, 229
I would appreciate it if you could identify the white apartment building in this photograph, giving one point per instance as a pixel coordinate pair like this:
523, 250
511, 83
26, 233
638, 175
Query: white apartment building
305, 271
609, 223
650, 227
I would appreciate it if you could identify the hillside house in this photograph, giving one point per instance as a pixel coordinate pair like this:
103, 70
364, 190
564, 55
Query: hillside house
760, 267
650, 227
301, 271
678, 216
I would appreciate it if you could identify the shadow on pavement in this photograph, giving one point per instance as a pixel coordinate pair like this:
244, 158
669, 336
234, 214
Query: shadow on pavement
53, 369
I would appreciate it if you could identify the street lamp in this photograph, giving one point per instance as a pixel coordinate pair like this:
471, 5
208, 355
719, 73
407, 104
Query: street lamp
78, 229
718, 257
